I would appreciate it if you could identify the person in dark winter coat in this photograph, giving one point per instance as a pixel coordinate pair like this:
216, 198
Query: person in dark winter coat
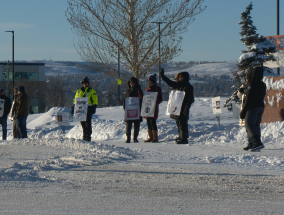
183, 85
16, 133
253, 107
133, 91
21, 107
152, 121
6, 111
87, 91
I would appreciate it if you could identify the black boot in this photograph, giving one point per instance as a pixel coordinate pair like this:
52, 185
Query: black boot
250, 144
183, 138
257, 144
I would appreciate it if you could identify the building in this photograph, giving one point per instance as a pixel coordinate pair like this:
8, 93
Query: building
29, 75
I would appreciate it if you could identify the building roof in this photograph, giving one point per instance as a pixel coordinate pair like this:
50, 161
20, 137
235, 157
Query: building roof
22, 64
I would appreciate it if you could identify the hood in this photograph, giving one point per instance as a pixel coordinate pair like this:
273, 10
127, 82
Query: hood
255, 74
133, 79
185, 75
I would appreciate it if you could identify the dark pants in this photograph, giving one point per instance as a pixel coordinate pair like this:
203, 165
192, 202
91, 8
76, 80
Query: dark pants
22, 126
3, 122
252, 121
136, 128
152, 124
87, 127
182, 128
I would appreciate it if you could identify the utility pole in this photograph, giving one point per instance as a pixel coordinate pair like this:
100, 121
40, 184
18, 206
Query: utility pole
7, 88
277, 27
13, 69
119, 81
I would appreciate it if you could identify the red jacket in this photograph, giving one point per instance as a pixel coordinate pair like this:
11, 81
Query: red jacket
155, 88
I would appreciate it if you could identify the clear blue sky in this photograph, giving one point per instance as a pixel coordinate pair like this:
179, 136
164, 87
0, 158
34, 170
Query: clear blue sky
42, 31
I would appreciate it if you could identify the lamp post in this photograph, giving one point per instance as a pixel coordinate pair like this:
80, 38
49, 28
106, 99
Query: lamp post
159, 30
13, 71
277, 27
119, 81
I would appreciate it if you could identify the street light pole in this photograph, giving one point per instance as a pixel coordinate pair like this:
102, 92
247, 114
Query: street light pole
118, 88
277, 27
159, 29
13, 71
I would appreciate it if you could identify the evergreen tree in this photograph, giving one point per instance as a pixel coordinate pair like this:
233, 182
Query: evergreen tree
259, 51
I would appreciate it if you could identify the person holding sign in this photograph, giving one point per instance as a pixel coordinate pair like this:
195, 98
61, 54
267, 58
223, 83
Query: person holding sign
90, 94
181, 120
5, 106
16, 133
21, 107
151, 121
132, 104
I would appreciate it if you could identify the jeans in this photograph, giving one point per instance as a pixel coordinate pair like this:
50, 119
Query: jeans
21, 121
3, 122
252, 121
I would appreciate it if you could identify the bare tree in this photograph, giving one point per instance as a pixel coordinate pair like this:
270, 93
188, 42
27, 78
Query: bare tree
108, 29
56, 92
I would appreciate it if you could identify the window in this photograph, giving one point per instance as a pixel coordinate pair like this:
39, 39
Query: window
4, 78
21, 76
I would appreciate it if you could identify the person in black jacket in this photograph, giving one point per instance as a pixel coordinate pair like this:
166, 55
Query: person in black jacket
183, 85
6, 111
133, 91
253, 107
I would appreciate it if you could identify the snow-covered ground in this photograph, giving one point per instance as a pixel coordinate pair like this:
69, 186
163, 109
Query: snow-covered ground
55, 172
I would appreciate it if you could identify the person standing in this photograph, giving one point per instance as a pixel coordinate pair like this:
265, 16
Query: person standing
133, 91
6, 111
87, 91
21, 107
152, 121
253, 107
182, 85
16, 133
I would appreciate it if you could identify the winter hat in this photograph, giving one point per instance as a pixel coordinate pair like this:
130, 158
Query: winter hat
153, 78
21, 89
85, 80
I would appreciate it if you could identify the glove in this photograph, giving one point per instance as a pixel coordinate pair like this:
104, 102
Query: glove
162, 72
72, 110
94, 108
243, 114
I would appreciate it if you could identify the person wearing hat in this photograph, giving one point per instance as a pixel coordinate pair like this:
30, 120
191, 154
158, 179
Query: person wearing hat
21, 109
182, 85
133, 91
152, 121
4, 113
87, 91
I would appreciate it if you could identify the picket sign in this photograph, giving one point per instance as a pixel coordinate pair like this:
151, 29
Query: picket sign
11, 114
80, 109
175, 102
2, 102
62, 118
149, 104
132, 108
216, 105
